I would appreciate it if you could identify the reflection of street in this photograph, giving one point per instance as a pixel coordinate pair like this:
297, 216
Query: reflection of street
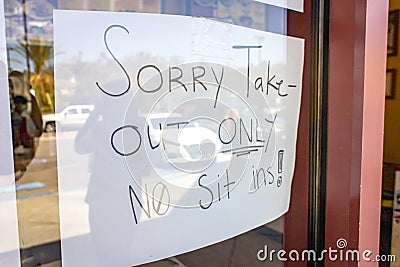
38, 208
37, 202
43, 168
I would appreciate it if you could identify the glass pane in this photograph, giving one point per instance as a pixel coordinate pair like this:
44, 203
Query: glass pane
38, 111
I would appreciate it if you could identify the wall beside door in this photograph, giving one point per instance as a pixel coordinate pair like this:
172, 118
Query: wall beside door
391, 150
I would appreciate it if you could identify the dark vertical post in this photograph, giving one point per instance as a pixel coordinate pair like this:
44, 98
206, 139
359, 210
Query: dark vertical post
26, 40
318, 127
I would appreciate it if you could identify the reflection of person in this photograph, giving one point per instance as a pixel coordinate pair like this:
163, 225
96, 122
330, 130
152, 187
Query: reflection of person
26, 120
20, 87
107, 193
18, 122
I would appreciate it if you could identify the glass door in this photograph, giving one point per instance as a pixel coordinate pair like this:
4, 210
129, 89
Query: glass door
70, 193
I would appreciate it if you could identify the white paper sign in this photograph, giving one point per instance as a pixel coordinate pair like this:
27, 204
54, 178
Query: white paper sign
297, 5
191, 135
9, 247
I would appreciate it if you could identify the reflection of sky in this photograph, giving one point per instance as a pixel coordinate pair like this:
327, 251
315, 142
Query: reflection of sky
38, 22
139, 38
16, 60
274, 18
2, 35
39, 15
145, 38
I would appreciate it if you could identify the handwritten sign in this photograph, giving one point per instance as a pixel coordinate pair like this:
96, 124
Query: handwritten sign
297, 5
191, 135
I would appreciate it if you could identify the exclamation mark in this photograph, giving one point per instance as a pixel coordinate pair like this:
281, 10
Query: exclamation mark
280, 169
280, 161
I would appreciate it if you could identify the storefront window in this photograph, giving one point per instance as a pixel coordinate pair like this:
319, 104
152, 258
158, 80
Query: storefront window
37, 112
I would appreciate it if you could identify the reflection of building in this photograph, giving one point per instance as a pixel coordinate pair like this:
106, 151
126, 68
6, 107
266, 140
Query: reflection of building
148, 6
243, 13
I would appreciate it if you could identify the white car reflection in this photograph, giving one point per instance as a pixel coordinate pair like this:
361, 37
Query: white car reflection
71, 118
183, 141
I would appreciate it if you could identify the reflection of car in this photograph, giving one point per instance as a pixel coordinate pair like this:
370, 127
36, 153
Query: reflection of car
192, 142
71, 117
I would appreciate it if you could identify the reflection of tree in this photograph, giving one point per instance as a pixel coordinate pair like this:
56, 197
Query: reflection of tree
77, 77
40, 53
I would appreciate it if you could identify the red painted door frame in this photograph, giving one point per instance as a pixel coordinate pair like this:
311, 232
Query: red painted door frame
355, 116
